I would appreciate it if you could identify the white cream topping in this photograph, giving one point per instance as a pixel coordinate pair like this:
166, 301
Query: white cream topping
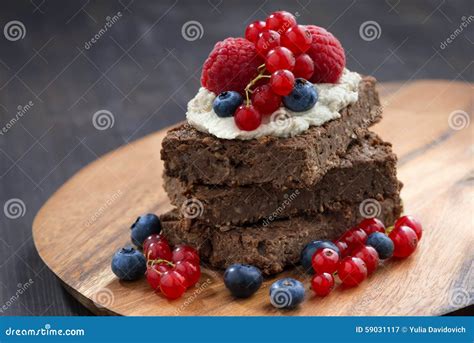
282, 123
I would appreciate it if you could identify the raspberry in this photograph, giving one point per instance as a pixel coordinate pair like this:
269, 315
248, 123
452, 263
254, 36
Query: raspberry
327, 54
230, 66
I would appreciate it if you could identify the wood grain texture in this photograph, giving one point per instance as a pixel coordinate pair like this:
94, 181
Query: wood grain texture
95, 208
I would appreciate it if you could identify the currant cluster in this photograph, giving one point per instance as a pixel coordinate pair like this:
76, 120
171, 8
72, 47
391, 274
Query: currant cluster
282, 45
170, 271
356, 254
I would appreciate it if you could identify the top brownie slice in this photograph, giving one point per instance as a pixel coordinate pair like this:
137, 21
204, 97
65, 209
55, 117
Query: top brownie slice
299, 161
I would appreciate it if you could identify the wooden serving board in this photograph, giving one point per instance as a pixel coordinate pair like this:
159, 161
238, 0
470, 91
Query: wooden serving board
95, 208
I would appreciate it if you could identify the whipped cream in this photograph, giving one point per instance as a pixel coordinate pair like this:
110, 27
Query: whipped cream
332, 97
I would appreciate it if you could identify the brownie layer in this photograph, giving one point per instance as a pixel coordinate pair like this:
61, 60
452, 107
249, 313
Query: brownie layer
271, 246
299, 161
368, 170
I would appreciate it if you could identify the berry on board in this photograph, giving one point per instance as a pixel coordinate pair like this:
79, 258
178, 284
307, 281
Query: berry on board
371, 225
352, 271
404, 240
370, 257
309, 250
382, 243
128, 264
412, 223
286, 293
325, 261
322, 284
143, 227
242, 280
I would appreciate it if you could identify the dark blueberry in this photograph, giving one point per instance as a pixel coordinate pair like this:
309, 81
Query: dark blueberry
286, 293
226, 103
309, 250
129, 264
242, 280
302, 97
382, 244
145, 226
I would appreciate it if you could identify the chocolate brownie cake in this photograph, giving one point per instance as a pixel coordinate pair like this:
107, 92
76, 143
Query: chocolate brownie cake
270, 247
367, 170
299, 161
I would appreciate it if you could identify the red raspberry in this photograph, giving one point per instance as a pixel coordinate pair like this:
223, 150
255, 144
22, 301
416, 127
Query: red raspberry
231, 65
327, 54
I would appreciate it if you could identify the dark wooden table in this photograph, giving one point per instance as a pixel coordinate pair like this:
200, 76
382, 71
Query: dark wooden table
61, 66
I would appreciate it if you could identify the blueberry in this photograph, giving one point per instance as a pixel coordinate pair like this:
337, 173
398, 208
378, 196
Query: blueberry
226, 103
286, 293
145, 226
128, 264
381, 243
302, 97
309, 250
242, 280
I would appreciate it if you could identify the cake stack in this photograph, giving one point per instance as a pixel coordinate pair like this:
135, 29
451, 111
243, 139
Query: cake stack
260, 201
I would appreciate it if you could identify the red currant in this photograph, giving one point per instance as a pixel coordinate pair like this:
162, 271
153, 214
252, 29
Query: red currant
153, 239
352, 271
282, 82
325, 261
266, 41
370, 257
280, 21
404, 240
355, 238
190, 271
153, 277
264, 100
185, 253
304, 67
343, 248
412, 223
253, 30
322, 284
172, 284
279, 58
297, 38
371, 225
159, 250
247, 118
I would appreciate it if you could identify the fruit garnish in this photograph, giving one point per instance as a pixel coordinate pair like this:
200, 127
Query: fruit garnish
322, 284
405, 241
302, 97
352, 271
282, 82
412, 223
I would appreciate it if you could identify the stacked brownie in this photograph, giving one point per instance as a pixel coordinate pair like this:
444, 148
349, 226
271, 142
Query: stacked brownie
260, 201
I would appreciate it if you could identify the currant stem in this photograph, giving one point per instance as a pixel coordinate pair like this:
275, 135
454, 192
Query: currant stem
261, 75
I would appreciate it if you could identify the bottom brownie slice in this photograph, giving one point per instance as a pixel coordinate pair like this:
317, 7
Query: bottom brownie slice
270, 246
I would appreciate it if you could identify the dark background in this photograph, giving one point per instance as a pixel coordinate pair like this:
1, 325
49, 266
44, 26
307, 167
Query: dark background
143, 71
